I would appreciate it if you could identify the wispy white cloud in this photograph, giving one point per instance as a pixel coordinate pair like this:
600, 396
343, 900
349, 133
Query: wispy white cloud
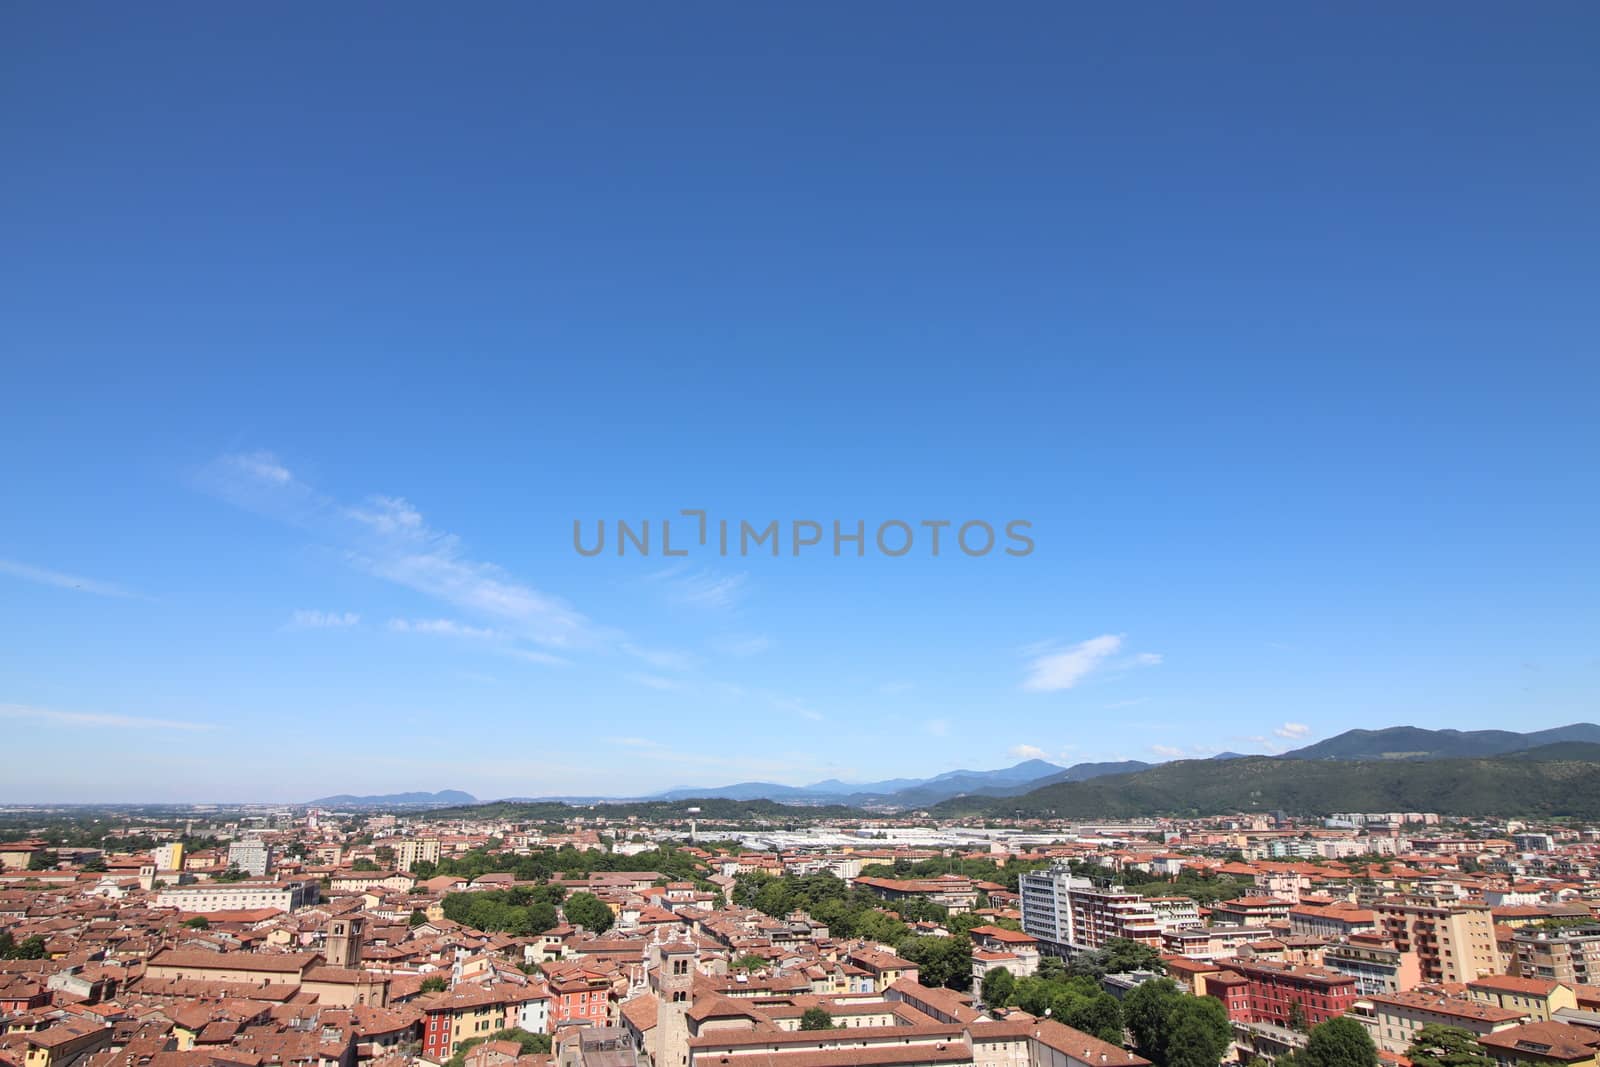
323, 620
387, 537
97, 719
655, 681
1292, 730
701, 587
1026, 752
1053, 667
62, 580
1066, 667
497, 641
661, 658
794, 706
1167, 751
444, 628
263, 466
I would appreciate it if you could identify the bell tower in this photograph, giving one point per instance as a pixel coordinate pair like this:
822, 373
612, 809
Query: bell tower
344, 942
673, 979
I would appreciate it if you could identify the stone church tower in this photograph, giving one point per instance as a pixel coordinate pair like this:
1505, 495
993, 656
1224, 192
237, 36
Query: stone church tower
343, 947
672, 978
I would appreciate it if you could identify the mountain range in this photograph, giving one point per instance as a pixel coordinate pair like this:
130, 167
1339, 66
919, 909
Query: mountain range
902, 792
1561, 779
1414, 743
1356, 770
443, 799
1401, 743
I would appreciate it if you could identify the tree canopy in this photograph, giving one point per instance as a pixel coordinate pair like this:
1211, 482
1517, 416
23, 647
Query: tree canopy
1175, 1029
1447, 1046
588, 911
1339, 1042
816, 1019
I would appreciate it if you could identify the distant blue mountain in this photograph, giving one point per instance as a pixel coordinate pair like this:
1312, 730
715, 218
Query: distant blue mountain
446, 798
910, 792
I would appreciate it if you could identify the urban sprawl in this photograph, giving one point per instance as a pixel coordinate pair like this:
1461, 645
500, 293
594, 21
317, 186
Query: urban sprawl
306, 937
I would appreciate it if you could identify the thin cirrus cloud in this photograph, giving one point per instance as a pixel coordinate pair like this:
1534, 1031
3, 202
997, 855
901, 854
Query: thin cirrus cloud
495, 640
323, 620
62, 580
1053, 668
1293, 730
96, 719
700, 587
385, 536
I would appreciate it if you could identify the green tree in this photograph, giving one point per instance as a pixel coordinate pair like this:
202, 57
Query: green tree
588, 911
1198, 1032
997, 987
531, 1044
1340, 1042
749, 962
1119, 955
816, 1019
39, 861
199, 922
29, 949
434, 984
941, 961
1447, 1046
1146, 1009
1297, 1017
1034, 994
418, 917
1052, 968
1099, 1014
363, 864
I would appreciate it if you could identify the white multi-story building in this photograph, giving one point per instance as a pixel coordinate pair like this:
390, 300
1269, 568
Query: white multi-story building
236, 896
1068, 914
250, 855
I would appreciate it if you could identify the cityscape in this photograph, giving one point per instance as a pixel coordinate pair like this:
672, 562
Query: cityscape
800, 535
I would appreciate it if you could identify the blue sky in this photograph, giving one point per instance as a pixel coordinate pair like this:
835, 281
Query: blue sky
320, 329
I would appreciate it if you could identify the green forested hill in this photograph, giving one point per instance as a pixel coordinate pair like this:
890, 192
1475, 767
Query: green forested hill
1548, 782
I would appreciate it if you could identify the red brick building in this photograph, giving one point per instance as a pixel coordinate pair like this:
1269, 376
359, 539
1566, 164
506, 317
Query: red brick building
1266, 992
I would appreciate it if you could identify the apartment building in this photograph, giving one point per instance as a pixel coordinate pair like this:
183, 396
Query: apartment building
1333, 920
1271, 992
1067, 913
1537, 998
1571, 955
411, 850
1453, 939
250, 855
1375, 963
1250, 911
1396, 1017
1212, 942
